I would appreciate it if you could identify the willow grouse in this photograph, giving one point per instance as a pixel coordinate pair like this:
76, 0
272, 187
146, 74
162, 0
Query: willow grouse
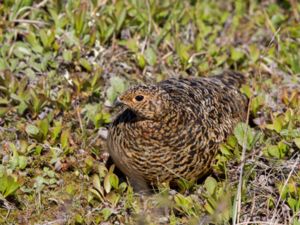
172, 129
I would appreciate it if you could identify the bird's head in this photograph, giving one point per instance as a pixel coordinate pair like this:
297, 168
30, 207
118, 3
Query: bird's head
147, 102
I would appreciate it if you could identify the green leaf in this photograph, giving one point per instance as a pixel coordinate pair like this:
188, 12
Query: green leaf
209, 208
8, 185
22, 161
44, 127
64, 139
102, 170
3, 64
106, 212
140, 60
150, 56
67, 55
113, 198
236, 54
97, 184
117, 86
89, 163
257, 102
210, 184
21, 50
38, 150
244, 134
277, 124
31, 39
273, 150
79, 219
294, 133
32, 130
181, 200
3, 111
56, 129
114, 180
107, 184
131, 44
121, 19
109, 32
254, 53
95, 193
182, 51
80, 19
297, 142
294, 204
85, 64
245, 89
184, 203
43, 37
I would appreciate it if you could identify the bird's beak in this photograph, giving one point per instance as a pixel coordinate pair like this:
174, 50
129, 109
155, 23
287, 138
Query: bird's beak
117, 102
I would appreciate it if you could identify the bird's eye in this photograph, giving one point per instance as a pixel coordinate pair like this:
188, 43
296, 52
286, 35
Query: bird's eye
139, 98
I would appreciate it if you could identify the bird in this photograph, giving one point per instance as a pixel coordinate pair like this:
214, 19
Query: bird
172, 130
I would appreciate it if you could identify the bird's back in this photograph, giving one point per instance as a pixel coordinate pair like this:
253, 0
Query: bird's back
209, 97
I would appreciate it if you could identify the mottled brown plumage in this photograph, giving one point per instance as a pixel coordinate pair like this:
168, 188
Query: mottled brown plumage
173, 129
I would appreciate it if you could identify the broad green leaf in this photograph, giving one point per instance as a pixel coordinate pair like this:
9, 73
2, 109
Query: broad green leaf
245, 89
113, 198
8, 185
131, 44
117, 86
140, 60
277, 124
254, 52
96, 193
150, 56
3, 64
236, 54
293, 203
273, 150
182, 51
67, 55
106, 212
43, 37
210, 185
244, 134
32, 130
97, 183
114, 180
22, 161
102, 170
107, 184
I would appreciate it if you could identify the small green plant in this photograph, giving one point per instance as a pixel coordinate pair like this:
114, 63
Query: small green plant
117, 86
106, 189
218, 200
9, 185
106, 186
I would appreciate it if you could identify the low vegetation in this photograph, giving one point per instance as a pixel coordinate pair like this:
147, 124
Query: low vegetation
62, 65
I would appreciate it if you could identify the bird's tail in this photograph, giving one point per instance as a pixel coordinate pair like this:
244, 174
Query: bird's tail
233, 78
